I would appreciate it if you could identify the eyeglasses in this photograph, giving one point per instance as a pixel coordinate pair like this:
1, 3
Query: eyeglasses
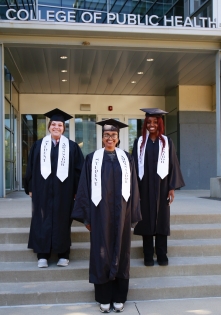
107, 136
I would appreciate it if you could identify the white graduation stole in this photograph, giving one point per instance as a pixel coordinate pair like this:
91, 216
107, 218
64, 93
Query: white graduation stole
63, 158
96, 174
163, 158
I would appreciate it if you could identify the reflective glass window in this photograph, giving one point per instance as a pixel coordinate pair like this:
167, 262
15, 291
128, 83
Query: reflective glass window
7, 84
7, 145
15, 135
85, 133
53, 2
7, 114
8, 174
67, 129
196, 4
33, 128
134, 131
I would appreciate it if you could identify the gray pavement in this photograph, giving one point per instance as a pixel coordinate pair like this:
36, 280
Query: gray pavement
206, 306
186, 203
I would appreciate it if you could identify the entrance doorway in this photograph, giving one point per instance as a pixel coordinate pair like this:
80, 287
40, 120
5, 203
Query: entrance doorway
11, 134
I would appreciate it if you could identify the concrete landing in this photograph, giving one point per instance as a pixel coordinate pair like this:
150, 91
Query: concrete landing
206, 306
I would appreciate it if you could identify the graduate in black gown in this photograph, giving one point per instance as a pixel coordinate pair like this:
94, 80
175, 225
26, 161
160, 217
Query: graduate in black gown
52, 177
158, 176
108, 204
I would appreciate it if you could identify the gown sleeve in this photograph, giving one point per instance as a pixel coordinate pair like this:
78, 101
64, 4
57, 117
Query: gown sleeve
135, 196
82, 206
134, 154
28, 176
78, 164
175, 176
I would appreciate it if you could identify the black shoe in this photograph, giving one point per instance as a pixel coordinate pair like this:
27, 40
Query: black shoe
148, 261
162, 260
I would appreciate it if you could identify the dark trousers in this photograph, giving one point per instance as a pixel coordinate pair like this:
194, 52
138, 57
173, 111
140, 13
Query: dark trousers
160, 245
48, 255
112, 291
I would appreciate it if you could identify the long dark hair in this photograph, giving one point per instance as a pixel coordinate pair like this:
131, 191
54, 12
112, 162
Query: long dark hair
160, 131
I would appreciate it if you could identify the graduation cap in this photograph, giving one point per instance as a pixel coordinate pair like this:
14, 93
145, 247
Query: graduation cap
153, 112
58, 115
111, 125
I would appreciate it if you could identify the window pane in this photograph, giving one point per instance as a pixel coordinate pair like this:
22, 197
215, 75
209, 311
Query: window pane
7, 145
15, 134
134, 131
15, 181
7, 114
8, 175
33, 128
7, 83
66, 133
85, 133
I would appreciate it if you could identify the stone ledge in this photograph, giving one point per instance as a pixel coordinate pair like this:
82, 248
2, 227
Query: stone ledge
215, 187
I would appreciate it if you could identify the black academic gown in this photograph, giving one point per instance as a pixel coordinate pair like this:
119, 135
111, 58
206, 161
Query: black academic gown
110, 221
52, 200
154, 190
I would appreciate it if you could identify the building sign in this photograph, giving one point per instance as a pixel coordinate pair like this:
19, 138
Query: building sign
97, 17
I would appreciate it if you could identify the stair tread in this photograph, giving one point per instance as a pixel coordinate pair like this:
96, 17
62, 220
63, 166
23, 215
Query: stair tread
136, 243
135, 283
82, 264
79, 229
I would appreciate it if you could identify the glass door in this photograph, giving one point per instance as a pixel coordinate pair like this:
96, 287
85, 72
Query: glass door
85, 133
122, 131
11, 128
134, 130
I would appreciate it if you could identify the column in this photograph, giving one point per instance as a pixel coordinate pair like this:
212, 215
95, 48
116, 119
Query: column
215, 183
2, 124
218, 114
216, 7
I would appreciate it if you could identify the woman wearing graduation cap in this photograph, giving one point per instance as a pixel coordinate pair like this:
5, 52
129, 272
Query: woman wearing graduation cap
158, 176
52, 177
107, 203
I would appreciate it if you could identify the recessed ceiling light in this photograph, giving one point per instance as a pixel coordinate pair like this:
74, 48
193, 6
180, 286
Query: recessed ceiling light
150, 59
64, 80
133, 82
140, 72
63, 57
64, 70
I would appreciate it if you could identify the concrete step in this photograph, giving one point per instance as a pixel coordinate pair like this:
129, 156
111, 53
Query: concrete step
80, 251
22, 222
195, 231
81, 234
79, 269
20, 235
196, 218
60, 292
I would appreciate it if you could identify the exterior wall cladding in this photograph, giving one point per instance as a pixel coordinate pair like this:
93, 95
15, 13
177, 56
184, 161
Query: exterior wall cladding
197, 148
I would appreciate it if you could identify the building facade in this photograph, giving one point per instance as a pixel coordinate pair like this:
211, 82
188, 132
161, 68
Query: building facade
108, 59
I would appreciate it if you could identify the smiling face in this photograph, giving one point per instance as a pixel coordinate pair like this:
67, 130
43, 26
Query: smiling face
56, 129
110, 140
152, 125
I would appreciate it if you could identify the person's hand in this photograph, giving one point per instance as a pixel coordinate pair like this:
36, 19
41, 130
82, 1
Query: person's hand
88, 226
30, 194
170, 197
